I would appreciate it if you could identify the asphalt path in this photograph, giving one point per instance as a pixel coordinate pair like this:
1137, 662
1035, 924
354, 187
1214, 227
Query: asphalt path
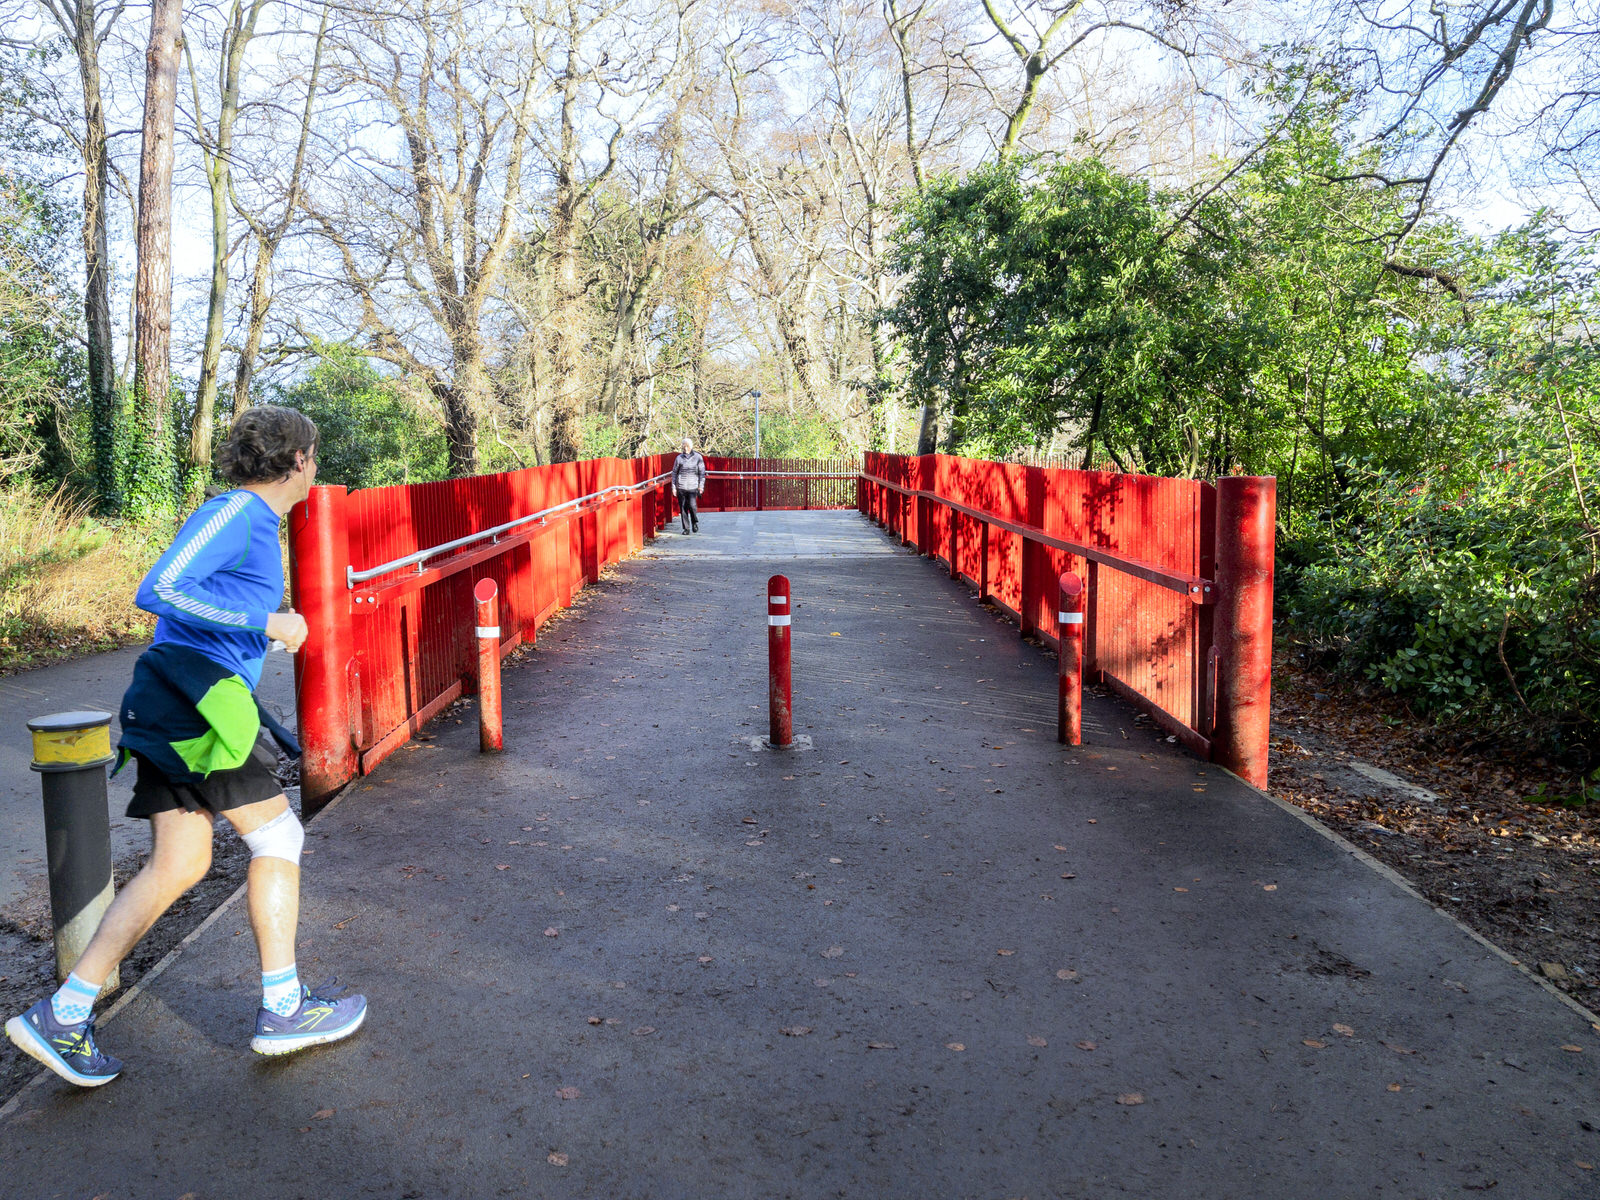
934, 954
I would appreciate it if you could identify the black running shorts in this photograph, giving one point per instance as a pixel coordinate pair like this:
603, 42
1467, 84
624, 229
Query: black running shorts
254, 780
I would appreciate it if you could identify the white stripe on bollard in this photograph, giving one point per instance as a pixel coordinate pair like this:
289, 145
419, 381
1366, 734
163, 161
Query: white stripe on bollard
1071, 618
779, 599
488, 631
772, 620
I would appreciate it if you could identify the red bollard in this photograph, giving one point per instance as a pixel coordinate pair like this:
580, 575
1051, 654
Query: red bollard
778, 660
319, 555
487, 596
1069, 707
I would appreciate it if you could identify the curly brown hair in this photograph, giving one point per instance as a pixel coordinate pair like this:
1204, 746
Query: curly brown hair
262, 445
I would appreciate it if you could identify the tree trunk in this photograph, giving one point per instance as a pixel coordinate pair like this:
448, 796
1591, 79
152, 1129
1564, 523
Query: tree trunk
219, 168
1094, 428
899, 32
928, 431
152, 481
566, 429
260, 302
104, 411
462, 399
267, 240
623, 339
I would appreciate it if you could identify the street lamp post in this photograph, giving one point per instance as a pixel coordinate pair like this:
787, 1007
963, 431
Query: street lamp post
756, 393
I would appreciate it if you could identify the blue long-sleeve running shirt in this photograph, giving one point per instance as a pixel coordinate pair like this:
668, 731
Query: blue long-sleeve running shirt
214, 588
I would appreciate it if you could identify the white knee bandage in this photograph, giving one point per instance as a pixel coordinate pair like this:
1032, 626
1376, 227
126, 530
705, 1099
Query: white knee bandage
280, 837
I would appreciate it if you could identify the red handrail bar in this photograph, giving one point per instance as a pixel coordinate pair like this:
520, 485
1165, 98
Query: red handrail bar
1227, 646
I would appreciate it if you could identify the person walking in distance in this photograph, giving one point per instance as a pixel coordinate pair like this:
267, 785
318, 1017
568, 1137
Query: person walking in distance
192, 725
689, 480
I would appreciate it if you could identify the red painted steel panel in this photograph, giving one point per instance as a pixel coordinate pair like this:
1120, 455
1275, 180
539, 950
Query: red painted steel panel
1149, 638
414, 649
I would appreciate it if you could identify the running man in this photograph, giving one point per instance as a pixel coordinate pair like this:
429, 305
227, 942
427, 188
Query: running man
193, 726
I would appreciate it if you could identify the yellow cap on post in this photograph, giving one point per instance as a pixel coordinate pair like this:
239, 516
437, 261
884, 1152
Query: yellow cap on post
71, 741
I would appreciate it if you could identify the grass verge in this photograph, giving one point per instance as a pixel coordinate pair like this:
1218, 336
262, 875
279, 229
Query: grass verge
66, 578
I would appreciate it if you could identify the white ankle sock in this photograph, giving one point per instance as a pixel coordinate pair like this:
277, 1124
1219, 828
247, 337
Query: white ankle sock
280, 990
75, 1001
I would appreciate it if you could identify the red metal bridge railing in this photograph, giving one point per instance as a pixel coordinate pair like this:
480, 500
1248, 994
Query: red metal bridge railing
761, 484
385, 579
1178, 575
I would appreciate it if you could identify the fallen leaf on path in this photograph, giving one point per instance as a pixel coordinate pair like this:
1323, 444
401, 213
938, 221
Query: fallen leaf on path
1069, 875
703, 959
568, 1093
1005, 953
644, 1031
322, 1114
1180, 889
1394, 1087
1061, 848
1571, 1049
552, 932
1037, 1041
881, 1046
1066, 973
833, 952
1344, 1031
1131, 1098
596, 1021
1269, 887
502, 866
1314, 1043
557, 1159
956, 1046
1086, 1045
1396, 1048
795, 1030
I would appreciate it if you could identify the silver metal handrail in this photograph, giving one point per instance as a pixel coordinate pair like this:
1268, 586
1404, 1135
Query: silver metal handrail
784, 475
353, 576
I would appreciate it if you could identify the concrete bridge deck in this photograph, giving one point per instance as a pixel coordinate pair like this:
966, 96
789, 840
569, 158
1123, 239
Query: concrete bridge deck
934, 955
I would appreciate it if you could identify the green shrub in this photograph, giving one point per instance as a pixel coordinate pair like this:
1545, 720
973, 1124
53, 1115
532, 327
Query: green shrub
372, 433
1473, 593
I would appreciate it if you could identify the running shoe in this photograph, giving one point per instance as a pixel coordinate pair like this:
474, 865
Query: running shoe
68, 1050
323, 1016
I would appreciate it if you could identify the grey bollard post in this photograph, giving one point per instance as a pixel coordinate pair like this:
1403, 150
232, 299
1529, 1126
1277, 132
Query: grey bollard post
70, 753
